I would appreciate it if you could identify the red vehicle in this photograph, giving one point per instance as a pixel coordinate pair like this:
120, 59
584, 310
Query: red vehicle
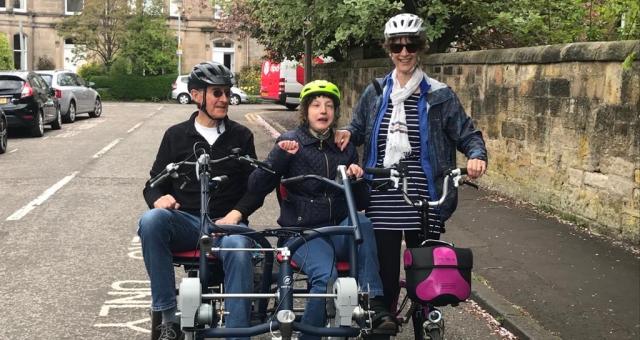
282, 82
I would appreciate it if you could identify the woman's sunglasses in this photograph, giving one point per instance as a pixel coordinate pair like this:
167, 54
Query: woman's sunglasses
397, 48
218, 93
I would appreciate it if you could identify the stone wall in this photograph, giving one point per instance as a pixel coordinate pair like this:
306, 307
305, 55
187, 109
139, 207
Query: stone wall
561, 122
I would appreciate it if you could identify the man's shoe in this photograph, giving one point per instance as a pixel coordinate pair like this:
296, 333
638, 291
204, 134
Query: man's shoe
382, 319
170, 331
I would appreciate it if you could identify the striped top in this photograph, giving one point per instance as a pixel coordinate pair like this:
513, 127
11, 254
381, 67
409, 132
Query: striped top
388, 210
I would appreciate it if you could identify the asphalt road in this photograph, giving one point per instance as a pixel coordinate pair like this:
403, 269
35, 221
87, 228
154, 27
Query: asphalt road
71, 264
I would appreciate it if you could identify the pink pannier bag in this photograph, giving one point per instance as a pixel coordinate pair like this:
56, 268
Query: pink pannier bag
438, 274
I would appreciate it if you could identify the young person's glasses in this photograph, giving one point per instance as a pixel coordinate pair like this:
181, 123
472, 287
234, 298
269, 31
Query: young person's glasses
397, 48
218, 93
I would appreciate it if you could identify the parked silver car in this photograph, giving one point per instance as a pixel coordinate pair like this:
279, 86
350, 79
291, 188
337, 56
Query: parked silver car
74, 94
180, 92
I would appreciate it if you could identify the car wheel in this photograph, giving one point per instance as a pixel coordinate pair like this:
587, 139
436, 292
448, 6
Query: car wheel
37, 130
234, 100
57, 123
291, 107
97, 110
70, 117
3, 136
184, 98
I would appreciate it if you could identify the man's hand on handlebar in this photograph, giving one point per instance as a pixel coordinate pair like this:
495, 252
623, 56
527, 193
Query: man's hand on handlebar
355, 171
232, 217
289, 146
476, 168
342, 138
166, 202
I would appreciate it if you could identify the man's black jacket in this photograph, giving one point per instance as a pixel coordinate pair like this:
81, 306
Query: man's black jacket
182, 142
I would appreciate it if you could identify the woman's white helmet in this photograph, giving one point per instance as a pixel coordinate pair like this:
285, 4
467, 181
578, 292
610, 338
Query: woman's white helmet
402, 25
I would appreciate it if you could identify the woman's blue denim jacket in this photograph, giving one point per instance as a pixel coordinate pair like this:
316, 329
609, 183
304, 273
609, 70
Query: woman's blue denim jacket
444, 127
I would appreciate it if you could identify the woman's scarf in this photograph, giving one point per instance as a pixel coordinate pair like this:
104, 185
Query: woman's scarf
398, 145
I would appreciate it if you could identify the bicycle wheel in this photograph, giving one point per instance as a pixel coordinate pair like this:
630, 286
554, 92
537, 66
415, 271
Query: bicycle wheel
423, 329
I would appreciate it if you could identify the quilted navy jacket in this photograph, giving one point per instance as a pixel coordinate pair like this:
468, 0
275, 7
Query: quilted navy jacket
309, 203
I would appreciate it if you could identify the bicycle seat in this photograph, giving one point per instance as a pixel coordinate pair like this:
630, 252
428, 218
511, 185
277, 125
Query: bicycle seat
190, 257
341, 266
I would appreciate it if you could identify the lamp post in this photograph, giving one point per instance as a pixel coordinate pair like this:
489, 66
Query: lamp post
179, 49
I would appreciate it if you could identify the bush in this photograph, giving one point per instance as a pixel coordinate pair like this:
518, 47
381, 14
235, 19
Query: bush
249, 79
90, 70
6, 55
45, 63
133, 87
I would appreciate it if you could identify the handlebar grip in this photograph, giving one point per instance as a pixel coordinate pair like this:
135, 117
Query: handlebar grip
292, 179
381, 172
157, 180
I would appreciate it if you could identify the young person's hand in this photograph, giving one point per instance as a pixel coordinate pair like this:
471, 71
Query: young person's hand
289, 146
342, 138
166, 202
476, 168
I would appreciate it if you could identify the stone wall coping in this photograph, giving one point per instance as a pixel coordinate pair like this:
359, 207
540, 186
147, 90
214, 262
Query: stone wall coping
548, 54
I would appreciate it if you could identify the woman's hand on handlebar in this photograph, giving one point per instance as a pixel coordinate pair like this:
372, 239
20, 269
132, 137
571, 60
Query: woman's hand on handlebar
342, 138
355, 170
289, 146
476, 168
166, 202
232, 217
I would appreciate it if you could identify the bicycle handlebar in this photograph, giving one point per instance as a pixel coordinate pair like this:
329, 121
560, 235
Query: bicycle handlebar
172, 168
400, 172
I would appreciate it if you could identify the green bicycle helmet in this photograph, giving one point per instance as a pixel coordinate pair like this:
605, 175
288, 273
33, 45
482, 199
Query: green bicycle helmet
322, 87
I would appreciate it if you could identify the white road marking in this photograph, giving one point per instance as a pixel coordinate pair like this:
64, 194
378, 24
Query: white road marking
14, 150
260, 121
131, 325
129, 294
134, 127
160, 108
20, 213
43, 138
107, 148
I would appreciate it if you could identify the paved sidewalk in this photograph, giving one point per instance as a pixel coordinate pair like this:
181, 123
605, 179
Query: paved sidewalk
545, 278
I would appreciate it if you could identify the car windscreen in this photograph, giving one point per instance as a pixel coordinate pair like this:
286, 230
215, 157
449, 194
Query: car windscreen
10, 84
47, 78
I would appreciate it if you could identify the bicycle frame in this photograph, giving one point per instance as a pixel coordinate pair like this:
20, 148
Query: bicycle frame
195, 313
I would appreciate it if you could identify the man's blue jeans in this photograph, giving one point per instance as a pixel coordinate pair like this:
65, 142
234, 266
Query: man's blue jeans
316, 260
163, 231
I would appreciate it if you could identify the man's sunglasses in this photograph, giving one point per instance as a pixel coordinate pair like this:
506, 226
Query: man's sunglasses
397, 48
218, 93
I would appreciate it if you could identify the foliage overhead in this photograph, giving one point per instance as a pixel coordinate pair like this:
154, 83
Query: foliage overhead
99, 30
338, 25
6, 55
149, 44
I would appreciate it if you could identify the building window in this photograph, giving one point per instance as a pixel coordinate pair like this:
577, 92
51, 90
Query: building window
20, 51
174, 7
73, 6
218, 13
19, 5
3, 5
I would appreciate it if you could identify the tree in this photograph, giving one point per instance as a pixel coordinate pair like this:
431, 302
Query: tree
280, 25
6, 55
99, 30
149, 44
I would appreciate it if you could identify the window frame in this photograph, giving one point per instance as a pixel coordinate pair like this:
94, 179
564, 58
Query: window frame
4, 8
66, 8
22, 8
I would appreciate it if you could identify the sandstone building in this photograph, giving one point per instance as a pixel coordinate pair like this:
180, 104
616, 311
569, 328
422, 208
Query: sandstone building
30, 28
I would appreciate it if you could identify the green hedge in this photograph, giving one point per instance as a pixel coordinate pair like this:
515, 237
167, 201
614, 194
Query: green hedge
130, 87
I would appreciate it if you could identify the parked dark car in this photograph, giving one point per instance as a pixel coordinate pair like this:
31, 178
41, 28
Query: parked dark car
3, 132
28, 102
74, 94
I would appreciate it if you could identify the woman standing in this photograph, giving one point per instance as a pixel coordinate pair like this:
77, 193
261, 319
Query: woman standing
418, 121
